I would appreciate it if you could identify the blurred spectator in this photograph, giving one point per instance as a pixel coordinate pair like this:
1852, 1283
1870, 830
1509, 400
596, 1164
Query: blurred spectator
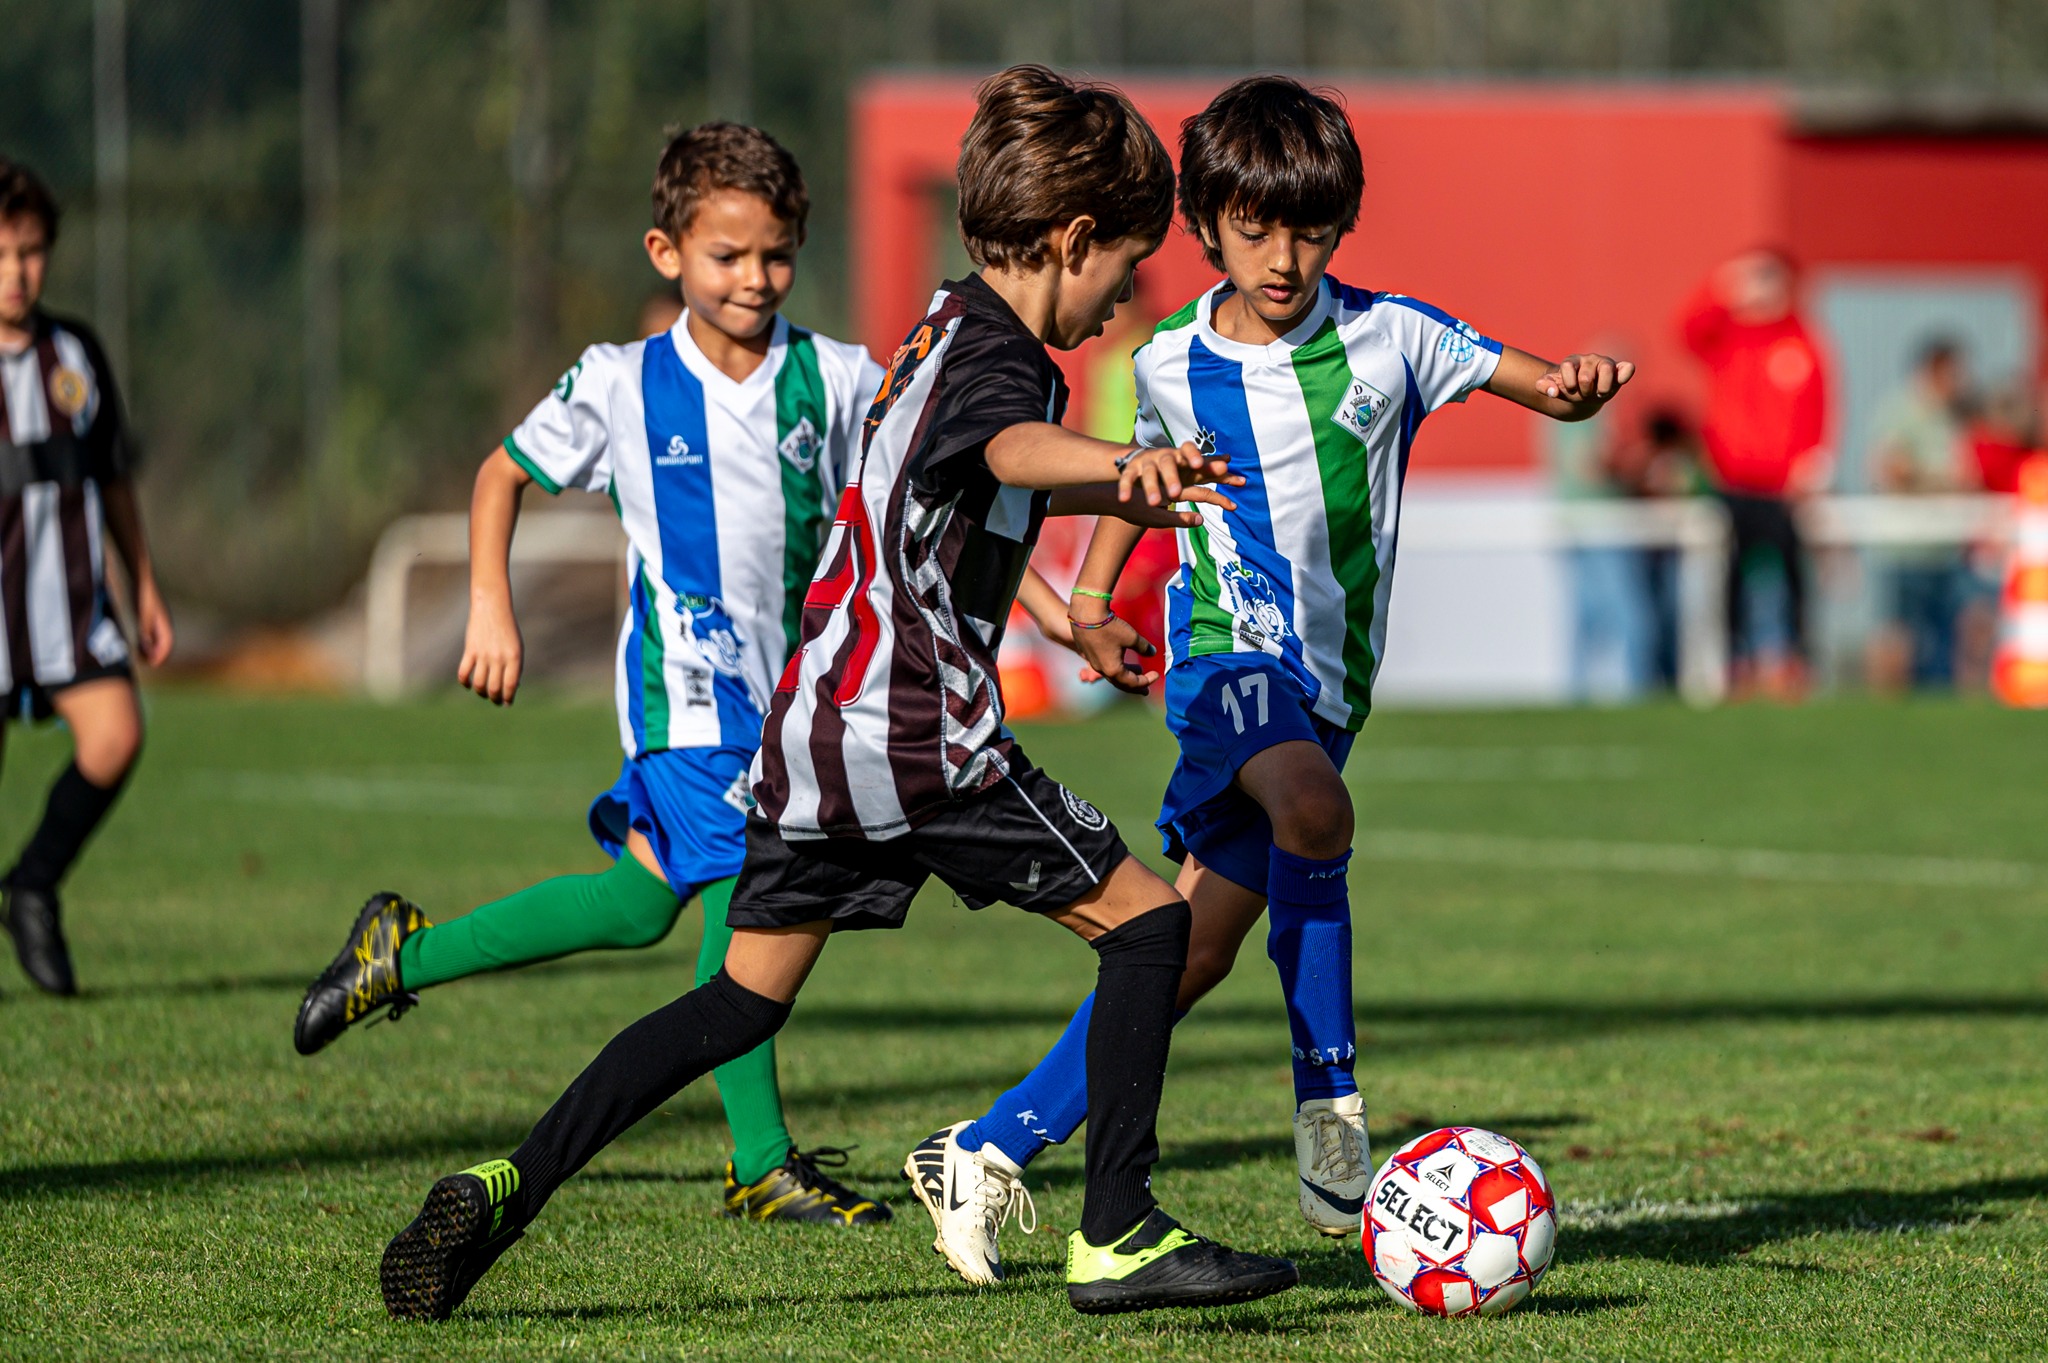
1766, 413
1918, 451
2005, 432
1664, 461
1612, 631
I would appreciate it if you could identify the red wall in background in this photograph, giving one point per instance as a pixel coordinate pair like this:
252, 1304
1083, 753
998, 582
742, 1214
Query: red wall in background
1551, 216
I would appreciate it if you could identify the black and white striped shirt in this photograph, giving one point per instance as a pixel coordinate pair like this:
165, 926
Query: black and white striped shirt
61, 439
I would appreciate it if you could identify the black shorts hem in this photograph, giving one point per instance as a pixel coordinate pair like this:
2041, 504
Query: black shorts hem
31, 700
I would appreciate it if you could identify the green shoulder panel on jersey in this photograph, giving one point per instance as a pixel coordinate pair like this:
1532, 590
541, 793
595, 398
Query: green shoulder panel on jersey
1324, 373
801, 424
1182, 318
534, 471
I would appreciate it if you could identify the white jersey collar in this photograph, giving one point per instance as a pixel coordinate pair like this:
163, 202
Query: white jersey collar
1278, 351
711, 375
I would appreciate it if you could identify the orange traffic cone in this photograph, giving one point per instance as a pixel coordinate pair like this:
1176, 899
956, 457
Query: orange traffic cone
2019, 668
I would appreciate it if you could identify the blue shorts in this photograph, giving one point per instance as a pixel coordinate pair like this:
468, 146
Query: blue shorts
691, 803
1223, 709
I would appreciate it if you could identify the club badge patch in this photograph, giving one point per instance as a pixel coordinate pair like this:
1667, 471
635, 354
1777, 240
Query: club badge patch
1085, 814
1362, 406
800, 447
69, 392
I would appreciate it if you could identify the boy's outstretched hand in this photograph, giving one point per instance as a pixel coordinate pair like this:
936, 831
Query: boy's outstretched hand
1573, 389
1174, 475
1586, 378
1105, 649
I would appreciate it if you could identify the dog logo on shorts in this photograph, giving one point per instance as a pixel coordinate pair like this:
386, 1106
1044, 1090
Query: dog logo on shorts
1085, 814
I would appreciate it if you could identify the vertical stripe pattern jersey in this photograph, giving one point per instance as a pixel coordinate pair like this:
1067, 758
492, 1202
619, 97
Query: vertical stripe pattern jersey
725, 489
1320, 422
891, 707
61, 439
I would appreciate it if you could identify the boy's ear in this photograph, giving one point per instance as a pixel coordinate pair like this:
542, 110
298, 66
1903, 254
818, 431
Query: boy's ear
1074, 241
662, 251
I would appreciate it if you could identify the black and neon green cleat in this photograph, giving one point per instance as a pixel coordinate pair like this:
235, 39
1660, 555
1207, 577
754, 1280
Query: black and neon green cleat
1158, 1264
800, 1191
430, 1266
363, 977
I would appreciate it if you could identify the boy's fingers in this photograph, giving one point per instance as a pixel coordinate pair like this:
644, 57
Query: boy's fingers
1624, 370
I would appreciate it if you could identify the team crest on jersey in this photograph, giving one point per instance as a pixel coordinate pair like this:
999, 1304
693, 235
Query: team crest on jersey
1085, 814
1460, 343
677, 454
716, 636
1361, 407
69, 391
1249, 596
800, 447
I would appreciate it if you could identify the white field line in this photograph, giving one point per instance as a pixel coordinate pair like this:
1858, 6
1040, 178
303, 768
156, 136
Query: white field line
526, 793
1660, 858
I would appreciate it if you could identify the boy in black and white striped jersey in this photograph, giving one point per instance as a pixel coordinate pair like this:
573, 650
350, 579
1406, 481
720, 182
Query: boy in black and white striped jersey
64, 492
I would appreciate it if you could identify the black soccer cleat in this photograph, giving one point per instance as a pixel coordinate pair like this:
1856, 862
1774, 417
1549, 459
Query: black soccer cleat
1159, 1264
39, 940
430, 1266
800, 1191
363, 977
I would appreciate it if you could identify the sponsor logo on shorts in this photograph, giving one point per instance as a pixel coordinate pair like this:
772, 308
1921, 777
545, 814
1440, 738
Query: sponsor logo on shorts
740, 794
1084, 814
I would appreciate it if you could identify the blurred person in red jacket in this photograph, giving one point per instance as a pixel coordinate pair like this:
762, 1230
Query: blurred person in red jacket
1766, 417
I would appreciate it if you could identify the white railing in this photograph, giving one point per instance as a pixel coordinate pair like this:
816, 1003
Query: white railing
1695, 527
442, 540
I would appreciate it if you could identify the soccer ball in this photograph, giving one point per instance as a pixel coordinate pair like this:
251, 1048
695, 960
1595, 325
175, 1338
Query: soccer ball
1459, 1222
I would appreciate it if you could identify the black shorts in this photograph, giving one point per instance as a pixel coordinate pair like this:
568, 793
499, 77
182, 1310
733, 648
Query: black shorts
1027, 841
31, 700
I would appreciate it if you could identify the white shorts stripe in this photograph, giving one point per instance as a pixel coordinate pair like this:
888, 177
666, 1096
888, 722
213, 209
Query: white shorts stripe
51, 651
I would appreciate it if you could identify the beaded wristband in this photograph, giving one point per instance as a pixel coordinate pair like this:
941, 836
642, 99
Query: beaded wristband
1090, 624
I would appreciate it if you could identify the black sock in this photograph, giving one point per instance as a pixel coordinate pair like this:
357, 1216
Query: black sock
1136, 978
74, 810
639, 1070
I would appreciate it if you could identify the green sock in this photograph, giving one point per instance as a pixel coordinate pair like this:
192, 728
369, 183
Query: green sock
747, 1086
627, 906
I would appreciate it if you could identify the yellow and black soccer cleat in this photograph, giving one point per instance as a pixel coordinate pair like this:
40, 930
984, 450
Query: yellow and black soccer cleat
469, 1220
799, 1191
1158, 1264
364, 977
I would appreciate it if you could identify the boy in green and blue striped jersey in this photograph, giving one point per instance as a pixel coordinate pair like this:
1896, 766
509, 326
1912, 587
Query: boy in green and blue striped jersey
1277, 617
723, 443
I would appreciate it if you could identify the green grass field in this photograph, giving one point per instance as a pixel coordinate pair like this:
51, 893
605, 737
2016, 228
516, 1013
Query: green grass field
1764, 990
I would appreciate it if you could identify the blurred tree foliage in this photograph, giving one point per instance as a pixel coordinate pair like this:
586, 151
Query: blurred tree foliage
493, 188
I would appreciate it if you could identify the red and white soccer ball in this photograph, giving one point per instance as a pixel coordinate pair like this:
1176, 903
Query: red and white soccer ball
1459, 1222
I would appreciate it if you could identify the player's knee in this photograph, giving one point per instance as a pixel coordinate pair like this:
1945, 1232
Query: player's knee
1209, 965
1314, 820
106, 757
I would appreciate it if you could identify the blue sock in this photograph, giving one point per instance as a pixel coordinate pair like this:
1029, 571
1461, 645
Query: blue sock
1309, 939
1048, 1105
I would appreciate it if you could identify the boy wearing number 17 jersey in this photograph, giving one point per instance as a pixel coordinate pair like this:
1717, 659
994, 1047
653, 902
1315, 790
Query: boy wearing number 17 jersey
1314, 390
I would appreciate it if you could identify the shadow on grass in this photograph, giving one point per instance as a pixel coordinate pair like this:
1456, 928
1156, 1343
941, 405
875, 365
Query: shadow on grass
1576, 1303
1705, 1236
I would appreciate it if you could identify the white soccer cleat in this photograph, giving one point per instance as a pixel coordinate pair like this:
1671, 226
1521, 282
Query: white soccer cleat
969, 1194
1335, 1159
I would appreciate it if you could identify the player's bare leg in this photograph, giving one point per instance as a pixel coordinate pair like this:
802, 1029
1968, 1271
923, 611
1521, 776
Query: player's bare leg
106, 726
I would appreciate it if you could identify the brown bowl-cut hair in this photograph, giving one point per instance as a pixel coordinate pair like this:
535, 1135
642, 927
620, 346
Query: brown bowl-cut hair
1044, 150
1269, 148
23, 194
710, 157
